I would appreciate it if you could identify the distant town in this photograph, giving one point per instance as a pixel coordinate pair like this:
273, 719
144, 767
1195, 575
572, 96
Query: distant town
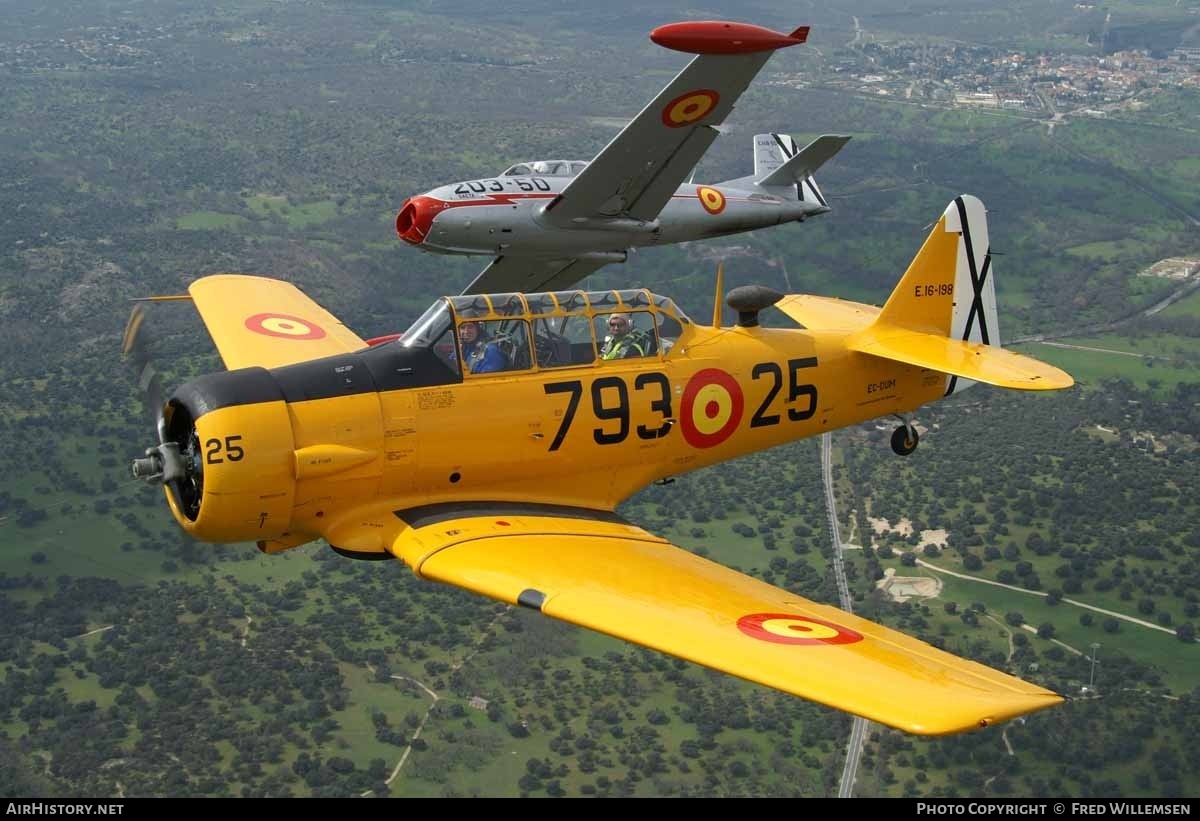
991, 78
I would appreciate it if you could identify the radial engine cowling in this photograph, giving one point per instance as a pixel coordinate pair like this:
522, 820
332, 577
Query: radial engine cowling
234, 439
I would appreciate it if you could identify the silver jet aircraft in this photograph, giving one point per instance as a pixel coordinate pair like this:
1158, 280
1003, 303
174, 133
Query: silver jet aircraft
550, 223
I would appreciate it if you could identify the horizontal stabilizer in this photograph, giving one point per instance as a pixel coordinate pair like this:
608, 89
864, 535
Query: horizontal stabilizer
967, 360
824, 313
806, 162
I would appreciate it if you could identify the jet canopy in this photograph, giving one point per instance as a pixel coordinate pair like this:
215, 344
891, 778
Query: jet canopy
548, 330
546, 168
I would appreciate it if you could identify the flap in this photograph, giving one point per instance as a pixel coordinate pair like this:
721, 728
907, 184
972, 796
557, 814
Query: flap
969, 360
267, 322
593, 569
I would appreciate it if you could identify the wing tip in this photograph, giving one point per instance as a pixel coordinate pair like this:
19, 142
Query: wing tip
1011, 707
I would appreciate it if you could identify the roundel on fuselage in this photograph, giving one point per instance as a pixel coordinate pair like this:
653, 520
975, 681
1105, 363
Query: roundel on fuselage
711, 408
711, 199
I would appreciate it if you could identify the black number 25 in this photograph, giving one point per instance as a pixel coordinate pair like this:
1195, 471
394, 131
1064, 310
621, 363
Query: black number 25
214, 447
796, 391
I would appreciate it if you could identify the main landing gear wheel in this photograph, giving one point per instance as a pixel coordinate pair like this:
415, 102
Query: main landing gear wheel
904, 440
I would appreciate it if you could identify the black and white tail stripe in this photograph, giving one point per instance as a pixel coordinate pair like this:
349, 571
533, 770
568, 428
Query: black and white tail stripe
816, 192
978, 279
788, 149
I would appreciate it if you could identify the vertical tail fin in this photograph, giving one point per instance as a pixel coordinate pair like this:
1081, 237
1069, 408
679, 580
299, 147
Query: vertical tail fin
771, 151
778, 162
942, 315
948, 289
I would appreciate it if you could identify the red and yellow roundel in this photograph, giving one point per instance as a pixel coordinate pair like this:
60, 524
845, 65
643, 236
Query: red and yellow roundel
784, 628
689, 107
712, 199
282, 325
712, 408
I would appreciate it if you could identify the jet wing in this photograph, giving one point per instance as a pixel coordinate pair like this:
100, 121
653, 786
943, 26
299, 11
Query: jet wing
636, 174
595, 570
530, 275
267, 322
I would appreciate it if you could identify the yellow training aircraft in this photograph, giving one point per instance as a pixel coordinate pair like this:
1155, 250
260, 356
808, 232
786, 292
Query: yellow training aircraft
489, 445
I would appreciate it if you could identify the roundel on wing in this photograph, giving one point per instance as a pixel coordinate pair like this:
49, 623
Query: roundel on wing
711, 408
787, 628
712, 199
284, 326
689, 107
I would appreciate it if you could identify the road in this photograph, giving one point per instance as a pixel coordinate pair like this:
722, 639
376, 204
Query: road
1043, 594
435, 698
1190, 284
858, 729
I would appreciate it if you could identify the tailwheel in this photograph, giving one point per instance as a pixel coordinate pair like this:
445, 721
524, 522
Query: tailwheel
904, 440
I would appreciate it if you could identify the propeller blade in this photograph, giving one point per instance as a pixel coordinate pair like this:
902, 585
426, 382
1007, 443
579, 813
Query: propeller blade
135, 346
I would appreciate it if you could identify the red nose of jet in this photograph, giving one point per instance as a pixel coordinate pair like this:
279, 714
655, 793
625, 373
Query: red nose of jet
416, 217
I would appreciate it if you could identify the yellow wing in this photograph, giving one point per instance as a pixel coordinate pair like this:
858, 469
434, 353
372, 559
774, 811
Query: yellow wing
593, 569
267, 322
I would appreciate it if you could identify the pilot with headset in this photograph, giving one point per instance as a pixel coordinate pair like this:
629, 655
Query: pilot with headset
479, 353
622, 341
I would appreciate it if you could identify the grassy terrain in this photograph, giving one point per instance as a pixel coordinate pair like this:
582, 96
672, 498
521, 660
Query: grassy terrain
1091, 367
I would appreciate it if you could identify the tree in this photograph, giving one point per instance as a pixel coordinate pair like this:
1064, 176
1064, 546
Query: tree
1045, 630
1186, 632
1014, 618
1111, 625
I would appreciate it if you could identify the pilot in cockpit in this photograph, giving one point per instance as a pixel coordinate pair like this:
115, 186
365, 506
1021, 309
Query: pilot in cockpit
623, 340
480, 354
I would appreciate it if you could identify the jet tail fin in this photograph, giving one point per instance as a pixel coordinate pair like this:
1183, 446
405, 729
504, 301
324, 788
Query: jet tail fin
778, 162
